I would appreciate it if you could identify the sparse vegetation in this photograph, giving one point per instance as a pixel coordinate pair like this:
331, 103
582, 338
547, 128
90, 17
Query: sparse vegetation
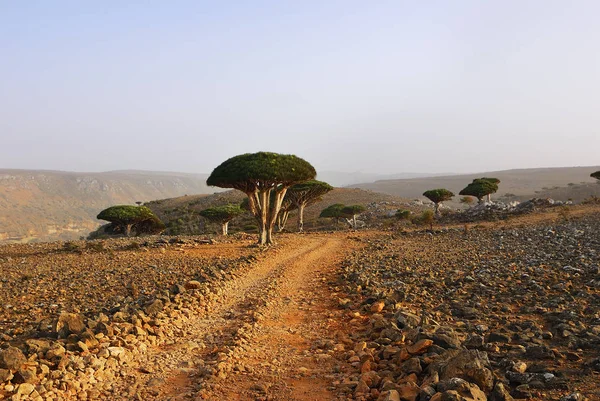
437, 196
333, 211
351, 212
126, 218
402, 214
261, 176
302, 195
481, 187
564, 212
467, 200
427, 217
222, 215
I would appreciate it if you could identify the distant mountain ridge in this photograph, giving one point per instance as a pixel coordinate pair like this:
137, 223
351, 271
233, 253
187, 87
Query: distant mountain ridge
44, 205
47, 205
344, 179
518, 182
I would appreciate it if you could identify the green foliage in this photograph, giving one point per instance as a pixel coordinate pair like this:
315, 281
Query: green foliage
306, 191
300, 195
333, 211
125, 214
425, 218
352, 210
491, 179
402, 214
264, 177
222, 214
152, 225
479, 188
124, 218
70, 246
256, 171
596, 175
438, 195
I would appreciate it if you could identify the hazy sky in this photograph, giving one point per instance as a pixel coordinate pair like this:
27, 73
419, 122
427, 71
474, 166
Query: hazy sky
372, 86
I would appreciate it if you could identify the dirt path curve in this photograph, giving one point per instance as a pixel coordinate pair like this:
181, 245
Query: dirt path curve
270, 335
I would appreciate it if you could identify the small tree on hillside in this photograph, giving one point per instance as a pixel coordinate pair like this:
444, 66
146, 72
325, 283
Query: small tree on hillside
402, 214
350, 213
126, 217
480, 188
493, 181
300, 195
333, 211
222, 215
437, 196
596, 175
261, 176
425, 218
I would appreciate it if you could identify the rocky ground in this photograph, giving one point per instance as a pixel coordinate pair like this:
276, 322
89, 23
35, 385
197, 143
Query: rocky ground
513, 311
492, 312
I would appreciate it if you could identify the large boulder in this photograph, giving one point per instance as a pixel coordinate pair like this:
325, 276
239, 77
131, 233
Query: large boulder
12, 358
457, 389
69, 323
470, 365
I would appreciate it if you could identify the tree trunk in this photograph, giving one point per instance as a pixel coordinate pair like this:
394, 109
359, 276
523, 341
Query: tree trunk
354, 221
489, 197
128, 229
282, 219
437, 209
225, 226
301, 217
272, 213
262, 235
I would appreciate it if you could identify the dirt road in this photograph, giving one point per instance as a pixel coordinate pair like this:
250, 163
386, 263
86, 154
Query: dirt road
270, 335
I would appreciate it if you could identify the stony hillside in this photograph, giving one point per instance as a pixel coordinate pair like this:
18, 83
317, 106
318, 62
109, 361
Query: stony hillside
521, 183
49, 205
181, 214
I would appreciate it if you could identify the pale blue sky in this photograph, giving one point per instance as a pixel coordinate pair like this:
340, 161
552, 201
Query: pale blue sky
381, 86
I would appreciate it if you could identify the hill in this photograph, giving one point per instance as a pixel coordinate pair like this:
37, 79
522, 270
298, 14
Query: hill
37, 205
344, 179
181, 214
522, 183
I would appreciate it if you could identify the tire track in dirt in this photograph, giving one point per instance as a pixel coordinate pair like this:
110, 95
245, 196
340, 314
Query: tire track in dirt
255, 340
289, 356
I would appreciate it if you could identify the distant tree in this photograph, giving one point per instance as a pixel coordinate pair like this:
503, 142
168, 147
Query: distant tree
493, 181
596, 175
222, 215
284, 213
300, 195
437, 196
261, 176
480, 188
333, 211
402, 214
467, 200
125, 218
350, 213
